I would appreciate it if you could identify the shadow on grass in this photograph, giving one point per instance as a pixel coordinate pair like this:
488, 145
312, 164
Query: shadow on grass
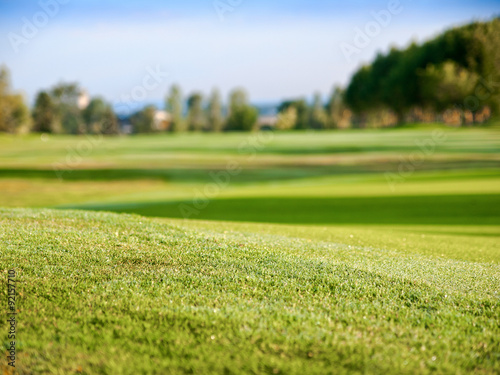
437, 210
182, 174
486, 168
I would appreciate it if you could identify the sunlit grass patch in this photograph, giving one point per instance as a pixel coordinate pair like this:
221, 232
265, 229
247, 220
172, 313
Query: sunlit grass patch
121, 294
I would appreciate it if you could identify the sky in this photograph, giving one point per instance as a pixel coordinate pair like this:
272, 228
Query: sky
133, 51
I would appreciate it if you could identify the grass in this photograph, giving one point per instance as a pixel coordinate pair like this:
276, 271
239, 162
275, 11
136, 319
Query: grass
460, 242
431, 210
107, 293
267, 150
308, 259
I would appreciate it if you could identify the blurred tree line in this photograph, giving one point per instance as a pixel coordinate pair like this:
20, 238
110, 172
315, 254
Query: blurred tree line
63, 109
458, 71
452, 78
14, 114
67, 109
299, 114
197, 114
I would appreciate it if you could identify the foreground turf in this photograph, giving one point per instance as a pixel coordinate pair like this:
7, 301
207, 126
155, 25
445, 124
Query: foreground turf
455, 242
106, 293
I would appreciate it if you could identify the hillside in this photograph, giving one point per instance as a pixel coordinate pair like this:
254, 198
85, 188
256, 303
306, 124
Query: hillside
108, 293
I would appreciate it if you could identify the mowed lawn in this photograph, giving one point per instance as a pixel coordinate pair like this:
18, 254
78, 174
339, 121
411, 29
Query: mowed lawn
118, 294
318, 252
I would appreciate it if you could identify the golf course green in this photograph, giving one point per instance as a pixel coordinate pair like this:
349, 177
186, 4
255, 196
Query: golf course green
357, 251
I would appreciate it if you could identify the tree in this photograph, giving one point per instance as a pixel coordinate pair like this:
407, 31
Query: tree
400, 81
93, 115
318, 114
174, 105
100, 118
144, 121
287, 118
14, 114
302, 112
447, 85
400, 91
110, 124
359, 94
336, 108
196, 116
45, 119
242, 116
65, 97
214, 112
486, 45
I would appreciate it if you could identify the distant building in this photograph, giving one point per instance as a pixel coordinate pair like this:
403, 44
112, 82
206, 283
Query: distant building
267, 122
83, 100
162, 120
125, 126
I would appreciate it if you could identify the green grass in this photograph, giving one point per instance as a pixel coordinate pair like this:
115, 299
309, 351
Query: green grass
308, 260
431, 210
116, 294
267, 150
460, 242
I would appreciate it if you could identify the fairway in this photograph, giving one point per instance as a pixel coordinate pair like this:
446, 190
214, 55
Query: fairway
261, 188
317, 253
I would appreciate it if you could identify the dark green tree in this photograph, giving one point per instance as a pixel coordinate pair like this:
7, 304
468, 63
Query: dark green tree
93, 115
400, 80
144, 121
110, 124
242, 116
196, 115
45, 119
100, 118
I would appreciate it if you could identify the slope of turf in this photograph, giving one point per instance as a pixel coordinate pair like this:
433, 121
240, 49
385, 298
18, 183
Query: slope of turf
107, 293
474, 243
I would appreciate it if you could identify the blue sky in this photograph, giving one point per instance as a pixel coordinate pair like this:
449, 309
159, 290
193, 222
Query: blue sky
276, 50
